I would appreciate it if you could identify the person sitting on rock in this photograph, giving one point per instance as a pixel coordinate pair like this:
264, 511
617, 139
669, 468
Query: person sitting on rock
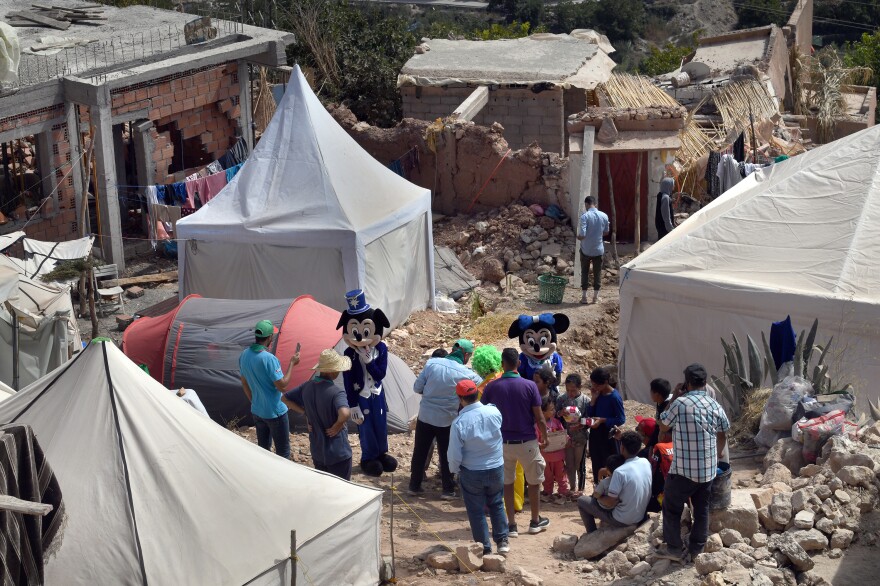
628, 492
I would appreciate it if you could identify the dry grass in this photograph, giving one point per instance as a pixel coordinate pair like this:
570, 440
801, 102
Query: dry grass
747, 425
490, 328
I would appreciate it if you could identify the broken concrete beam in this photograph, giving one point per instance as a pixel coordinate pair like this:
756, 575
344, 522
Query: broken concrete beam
134, 292
472, 105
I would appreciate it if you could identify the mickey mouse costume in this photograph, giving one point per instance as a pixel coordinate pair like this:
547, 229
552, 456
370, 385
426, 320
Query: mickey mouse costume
362, 329
537, 342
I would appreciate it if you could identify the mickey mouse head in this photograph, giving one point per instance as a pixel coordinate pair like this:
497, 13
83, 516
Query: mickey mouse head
363, 330
537, 333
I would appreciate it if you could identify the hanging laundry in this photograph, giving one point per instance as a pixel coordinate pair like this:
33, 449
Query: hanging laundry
239, 151
728, 172
167, 215
397, 167
179, 194
227, 160
232, 172
196, 188
213, 168
215, 184
152, 199
739, 147
713, 184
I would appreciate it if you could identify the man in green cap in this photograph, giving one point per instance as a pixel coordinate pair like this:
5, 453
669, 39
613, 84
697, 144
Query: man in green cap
438, 408
263, 383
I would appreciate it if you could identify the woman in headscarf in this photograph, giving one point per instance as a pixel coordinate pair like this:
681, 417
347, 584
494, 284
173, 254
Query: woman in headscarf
663, 215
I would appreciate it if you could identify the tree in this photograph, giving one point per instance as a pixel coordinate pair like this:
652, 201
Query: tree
660, 61
755, 13
521, 10
865, 53
620, 20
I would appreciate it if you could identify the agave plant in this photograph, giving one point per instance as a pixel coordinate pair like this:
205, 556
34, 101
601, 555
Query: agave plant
742, 381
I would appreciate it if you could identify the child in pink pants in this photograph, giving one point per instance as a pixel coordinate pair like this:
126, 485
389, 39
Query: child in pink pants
555, 460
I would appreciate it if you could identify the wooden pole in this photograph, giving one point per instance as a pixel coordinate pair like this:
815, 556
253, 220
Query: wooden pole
613, 211
637, 232
293, 558
391, 530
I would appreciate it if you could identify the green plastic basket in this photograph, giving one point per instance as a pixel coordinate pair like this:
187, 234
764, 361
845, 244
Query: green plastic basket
551, 288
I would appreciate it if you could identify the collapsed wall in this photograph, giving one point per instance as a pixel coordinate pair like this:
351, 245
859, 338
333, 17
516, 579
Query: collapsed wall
466, 167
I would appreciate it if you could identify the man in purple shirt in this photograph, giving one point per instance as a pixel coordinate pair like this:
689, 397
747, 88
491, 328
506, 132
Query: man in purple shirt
519, 402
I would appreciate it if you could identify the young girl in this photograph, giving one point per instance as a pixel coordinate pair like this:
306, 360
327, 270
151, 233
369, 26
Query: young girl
575, 451
555, 460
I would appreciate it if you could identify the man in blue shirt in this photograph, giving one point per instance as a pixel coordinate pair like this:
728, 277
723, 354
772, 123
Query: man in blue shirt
592, 230
437, 410
476, 455
263, 382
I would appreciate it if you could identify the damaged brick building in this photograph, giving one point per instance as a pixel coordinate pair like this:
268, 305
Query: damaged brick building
157, 99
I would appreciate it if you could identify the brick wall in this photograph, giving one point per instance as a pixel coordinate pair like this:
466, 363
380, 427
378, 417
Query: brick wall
53, 223
526, 116
201, 103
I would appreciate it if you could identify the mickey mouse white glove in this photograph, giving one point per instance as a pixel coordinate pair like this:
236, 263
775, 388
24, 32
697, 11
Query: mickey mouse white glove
357, 415
366, 354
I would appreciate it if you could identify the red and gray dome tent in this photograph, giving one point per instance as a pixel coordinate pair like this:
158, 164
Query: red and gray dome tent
197, 344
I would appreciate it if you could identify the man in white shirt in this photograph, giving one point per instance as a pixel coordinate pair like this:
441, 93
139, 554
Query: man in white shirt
628, 494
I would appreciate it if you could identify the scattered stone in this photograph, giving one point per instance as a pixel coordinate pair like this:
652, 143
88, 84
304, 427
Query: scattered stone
790, 548
759, 540
524, 578
565, 543
810, 540
134, 292
714, 543
812, 579
705, 563
804, 520
743, 547
761, 553
762, 498
835, 554
856, 475
780, 508
470, 557
825, 525
777, 472
741, 515
730, 536
615, 563
842, 496
639, 569
551, 249
494, 562
660, 566
481, 227
493, 270
800, 498
462, 238
841, 538
593, 544
421, 557
714, 579
823, 492
443, 561
810, 470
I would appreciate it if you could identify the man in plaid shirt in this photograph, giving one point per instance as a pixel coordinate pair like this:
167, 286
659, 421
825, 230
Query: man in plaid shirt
698, 424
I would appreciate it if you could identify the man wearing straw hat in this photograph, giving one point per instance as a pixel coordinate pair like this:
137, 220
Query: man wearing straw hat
326, 408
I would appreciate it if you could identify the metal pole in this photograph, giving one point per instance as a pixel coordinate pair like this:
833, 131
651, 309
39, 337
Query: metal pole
293, 558
15, 347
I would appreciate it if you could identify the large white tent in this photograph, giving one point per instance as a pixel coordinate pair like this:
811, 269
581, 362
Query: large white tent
157, 494
801, 238
312, 213
48, 334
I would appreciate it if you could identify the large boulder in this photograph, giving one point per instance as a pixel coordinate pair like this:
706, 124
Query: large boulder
856, 476
741, 515
493, 270
564, 543
777, 472
593, 544
790, 548
787, 452
810, 539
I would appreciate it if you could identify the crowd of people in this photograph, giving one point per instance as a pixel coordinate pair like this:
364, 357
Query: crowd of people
496, 428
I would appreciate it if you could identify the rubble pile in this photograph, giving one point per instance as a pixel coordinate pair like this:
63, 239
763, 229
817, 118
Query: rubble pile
510, 239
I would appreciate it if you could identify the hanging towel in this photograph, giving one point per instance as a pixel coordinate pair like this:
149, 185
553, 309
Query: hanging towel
152, 200
214, 168
239, 151
168, 215
728, 172
227, 160
197, 186
215, 184
179, 194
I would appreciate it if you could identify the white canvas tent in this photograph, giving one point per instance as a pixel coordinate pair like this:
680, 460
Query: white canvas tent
799, 238
48, 334
155, 493
312, 213
40, 256
5, 391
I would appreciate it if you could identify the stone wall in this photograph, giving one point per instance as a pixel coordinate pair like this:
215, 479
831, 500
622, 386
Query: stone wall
464, 171
526, 116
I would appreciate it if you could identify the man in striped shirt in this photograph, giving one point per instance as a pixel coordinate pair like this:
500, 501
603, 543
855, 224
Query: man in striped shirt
699, 425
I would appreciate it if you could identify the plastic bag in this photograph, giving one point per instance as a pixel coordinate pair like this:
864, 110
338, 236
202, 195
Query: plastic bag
767, 437
818, 430
811, 407
445, 304
782, 403
796, 433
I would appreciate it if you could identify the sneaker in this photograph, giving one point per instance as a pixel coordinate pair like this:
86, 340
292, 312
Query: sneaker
487, 550
448, 496
511, 531
415, 491
539, 525
664, 553
504, 546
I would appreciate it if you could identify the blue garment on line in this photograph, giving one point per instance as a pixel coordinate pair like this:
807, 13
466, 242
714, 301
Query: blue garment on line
232, 171
397, 167
178, 191
782, 342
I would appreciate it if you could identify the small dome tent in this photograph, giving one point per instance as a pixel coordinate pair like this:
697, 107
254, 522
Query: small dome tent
197, 345
157, 494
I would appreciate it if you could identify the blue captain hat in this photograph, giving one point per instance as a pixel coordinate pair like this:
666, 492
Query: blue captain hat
356, 302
